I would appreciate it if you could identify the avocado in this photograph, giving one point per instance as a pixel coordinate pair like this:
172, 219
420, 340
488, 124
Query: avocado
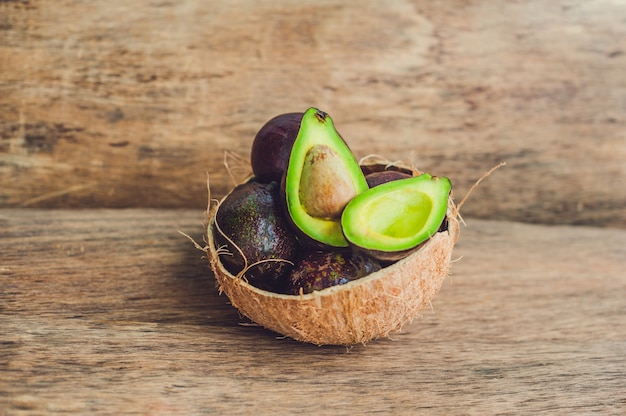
272, 145
369, 167
391, 220
321, 178
378, 178
250, 221
318, 270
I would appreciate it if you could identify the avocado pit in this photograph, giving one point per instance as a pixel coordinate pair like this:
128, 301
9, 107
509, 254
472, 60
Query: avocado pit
325, 185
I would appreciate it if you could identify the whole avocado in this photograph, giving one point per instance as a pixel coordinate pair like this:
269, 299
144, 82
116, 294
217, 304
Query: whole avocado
318, 270
272, 145
249, 221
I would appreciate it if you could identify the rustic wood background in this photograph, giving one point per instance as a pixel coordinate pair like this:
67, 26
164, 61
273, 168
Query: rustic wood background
129, 103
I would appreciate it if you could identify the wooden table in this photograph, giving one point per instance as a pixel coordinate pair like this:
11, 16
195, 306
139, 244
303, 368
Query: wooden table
114, 311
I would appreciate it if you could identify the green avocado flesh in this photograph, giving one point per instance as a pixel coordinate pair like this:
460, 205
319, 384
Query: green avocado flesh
322, 177
397, 215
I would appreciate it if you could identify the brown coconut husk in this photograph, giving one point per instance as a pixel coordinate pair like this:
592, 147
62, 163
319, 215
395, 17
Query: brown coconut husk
357, 312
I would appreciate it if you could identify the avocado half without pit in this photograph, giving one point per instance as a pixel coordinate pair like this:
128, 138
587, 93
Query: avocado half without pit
391, 220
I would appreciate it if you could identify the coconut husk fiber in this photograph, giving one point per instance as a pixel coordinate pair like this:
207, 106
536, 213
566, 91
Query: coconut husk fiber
362, 310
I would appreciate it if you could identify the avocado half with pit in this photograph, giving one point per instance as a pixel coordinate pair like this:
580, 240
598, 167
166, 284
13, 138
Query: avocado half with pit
321, 178
392, 220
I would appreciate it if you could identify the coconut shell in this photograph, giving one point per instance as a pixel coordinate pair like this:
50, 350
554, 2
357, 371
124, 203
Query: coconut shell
372, 307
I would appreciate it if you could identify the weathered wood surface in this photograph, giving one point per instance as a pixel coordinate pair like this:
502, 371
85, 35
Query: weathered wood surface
115, 312
128, 104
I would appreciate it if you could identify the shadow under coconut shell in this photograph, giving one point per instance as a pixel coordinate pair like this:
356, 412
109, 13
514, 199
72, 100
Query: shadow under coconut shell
260, 337
191, 295
291, 350
257, 334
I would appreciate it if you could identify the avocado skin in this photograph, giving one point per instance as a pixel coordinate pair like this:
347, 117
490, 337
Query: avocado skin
318, 270
378, 178
380, 167
272, 146
252, 218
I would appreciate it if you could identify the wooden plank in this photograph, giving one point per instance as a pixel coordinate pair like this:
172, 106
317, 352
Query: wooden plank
114, 311
128, 104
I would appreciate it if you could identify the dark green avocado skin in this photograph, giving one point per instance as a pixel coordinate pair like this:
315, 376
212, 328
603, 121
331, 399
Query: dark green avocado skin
318, 270
252, 218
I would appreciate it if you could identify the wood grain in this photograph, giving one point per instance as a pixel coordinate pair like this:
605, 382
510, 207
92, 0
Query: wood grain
128, 104
114, 311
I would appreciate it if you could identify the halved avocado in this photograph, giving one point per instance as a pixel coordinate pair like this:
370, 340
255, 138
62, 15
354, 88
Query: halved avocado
322, 177
390, 220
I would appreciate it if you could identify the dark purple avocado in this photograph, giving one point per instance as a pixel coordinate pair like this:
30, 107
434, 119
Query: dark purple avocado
251, 217
318, 270
272, 145
378, 178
